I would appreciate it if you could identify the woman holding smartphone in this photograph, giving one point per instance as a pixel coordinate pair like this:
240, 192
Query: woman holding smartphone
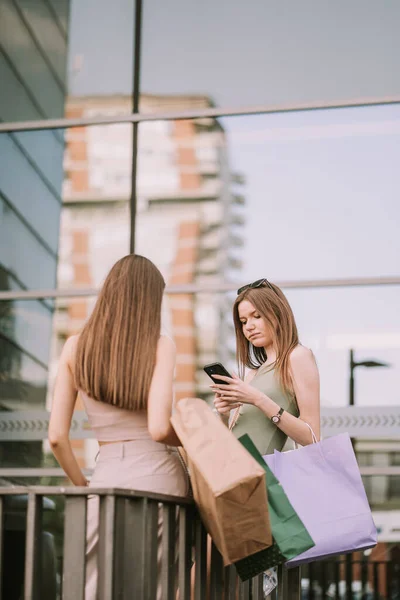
123, 369
279, 397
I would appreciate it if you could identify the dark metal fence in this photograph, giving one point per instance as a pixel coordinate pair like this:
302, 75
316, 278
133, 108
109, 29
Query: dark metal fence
351, 577
146, 541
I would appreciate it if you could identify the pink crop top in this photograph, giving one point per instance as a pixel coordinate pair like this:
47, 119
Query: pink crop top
112, 424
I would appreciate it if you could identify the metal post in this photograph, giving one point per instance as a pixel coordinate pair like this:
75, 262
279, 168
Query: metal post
135, 125
33, 547
351, 386
74, 548
349, 576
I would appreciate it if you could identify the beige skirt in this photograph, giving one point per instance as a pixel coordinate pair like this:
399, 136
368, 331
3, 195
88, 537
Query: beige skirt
142, 465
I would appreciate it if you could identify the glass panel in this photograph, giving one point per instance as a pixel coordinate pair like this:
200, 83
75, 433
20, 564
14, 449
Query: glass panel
317, 192
42, 22
95, 224
25, 258
28, 325
321, 192
28, 64
50, 53
241, 54
193, 208
60, 10
101, 70
90, 200
331, 321
25, 186
23, 379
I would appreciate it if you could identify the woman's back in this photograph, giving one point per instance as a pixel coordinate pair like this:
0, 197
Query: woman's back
113, 424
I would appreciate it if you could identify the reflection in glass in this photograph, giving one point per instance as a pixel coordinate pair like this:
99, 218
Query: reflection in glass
95, 222
322, 192
32, 60
189, 222
24, 339
30, 207
101, 69
260, 53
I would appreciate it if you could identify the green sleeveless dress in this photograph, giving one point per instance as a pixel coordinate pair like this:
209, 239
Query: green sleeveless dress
265, 435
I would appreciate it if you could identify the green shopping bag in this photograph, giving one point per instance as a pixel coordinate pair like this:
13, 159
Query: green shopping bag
290, 536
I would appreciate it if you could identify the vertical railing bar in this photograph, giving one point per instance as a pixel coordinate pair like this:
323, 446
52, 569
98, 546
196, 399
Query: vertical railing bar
323, 581
73, 587
282, 588
337, 579
106, 547
151, 550
200, 560
230, 583
244, 590
226, 582
134, 548
293, 584
1, 542
216, 575
32, 547
364, 575
376, 580
258, 587
389, 579
119, 548
185, 550
349, 576
168, 552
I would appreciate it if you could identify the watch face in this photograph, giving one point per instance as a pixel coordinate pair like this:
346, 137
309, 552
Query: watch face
275, 419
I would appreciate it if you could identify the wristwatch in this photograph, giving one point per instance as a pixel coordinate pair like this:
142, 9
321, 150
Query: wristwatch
276, 418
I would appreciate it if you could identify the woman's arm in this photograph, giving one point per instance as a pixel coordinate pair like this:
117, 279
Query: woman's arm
161, 395
64, 400
305, 379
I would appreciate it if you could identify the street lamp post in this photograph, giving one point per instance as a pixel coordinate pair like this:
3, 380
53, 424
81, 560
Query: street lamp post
364, 363
353, 365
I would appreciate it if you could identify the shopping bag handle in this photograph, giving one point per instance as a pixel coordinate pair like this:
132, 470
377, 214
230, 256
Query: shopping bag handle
313, 436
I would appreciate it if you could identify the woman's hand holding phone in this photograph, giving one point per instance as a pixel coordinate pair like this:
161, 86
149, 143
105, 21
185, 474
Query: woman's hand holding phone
222, 406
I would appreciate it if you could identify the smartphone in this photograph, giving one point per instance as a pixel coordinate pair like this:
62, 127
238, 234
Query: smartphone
217, 369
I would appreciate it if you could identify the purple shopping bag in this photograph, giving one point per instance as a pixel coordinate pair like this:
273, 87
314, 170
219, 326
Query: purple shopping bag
324, 486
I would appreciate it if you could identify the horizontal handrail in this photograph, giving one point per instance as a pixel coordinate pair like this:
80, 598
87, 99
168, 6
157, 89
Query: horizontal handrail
49, 490
196, 113
388, 471
210, 288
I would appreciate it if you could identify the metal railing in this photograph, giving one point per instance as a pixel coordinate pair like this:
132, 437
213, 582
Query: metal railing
146, 542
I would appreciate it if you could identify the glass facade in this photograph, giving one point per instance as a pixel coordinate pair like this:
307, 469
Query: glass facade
307, 197
33, 74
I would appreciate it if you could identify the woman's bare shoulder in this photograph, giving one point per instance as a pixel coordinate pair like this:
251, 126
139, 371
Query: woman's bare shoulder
166, 345
69, 351
302, 359
301, 353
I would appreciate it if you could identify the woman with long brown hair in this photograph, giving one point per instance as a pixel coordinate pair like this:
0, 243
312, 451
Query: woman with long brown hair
279, 397
123, 368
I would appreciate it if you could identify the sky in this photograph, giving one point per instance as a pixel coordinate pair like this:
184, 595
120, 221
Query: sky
322, 188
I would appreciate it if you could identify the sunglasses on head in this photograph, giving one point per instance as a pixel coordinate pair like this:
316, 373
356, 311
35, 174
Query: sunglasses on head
254, 285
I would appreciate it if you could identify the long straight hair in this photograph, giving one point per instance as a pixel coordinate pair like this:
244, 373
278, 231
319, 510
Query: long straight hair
117, 348
272, 305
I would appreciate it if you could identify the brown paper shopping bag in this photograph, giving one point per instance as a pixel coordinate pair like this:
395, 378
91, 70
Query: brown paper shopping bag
228, 484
